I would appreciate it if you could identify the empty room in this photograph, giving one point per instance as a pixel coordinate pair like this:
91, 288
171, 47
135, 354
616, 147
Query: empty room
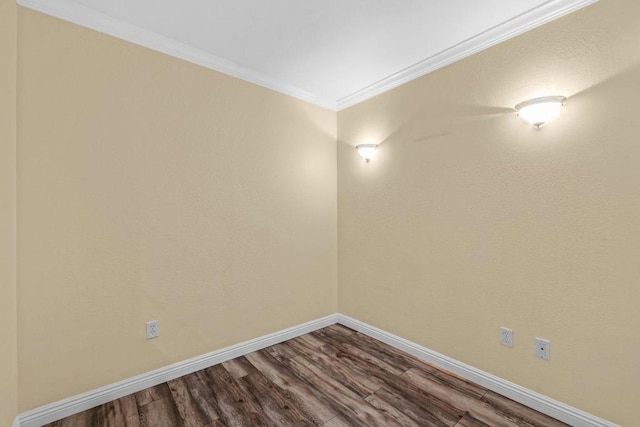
334, 213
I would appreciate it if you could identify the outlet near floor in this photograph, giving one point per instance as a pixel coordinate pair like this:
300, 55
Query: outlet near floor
153, 329
543, 348
506, 337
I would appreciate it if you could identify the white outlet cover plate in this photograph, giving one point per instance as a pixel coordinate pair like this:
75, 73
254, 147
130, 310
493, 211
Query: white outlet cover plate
543, 348
506, 337
152, 329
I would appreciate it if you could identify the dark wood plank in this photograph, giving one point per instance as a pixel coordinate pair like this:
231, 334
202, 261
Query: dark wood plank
479, 409
160, 413
129, 408
236, 407
316, 406
115, 413
469, 421
333, 377
441, 409
99, 416
445, 376
513, 409
352, 406
229, 411
393, 401
238, 367
282, 351
346, 348
277, 406
355, 379
399, 363
452, 382
398, 415
341, 329
337, 421
413, 360
190, 412
121, 412
203, 395
311, 340
152, 394
81, 419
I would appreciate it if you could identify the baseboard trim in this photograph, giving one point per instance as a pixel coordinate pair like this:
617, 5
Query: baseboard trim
66, 407
530, 398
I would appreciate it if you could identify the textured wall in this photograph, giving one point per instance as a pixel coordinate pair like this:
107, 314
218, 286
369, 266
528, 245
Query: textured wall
469, 219
151, 188
8, 327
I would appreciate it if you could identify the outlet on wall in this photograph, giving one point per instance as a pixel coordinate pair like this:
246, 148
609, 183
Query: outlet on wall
153, 329
506, 337
543, 348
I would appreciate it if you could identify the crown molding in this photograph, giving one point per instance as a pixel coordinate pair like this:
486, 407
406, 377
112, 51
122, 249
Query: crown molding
86, 17
89, 18
529, 20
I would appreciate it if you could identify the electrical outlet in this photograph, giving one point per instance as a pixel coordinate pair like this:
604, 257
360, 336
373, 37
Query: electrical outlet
543, 348
153, 329
506, 337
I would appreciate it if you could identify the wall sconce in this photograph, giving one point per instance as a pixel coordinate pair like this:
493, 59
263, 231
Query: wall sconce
539, 111
367, 151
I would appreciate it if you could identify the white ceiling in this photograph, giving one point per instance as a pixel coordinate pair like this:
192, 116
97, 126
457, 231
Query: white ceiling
333, 53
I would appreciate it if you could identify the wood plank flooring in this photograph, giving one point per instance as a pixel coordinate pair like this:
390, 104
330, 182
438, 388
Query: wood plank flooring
333, 377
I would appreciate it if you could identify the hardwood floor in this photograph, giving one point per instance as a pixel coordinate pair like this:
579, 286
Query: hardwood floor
332, 377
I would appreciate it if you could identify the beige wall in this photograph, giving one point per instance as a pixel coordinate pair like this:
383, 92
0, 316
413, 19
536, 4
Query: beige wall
469, 219
8, 326
151, 188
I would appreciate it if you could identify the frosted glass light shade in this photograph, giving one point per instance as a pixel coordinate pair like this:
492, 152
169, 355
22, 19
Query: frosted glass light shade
367, 151
539, 111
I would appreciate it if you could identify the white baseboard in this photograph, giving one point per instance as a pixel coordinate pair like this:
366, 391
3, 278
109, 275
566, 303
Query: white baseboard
63, 408
546, 405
